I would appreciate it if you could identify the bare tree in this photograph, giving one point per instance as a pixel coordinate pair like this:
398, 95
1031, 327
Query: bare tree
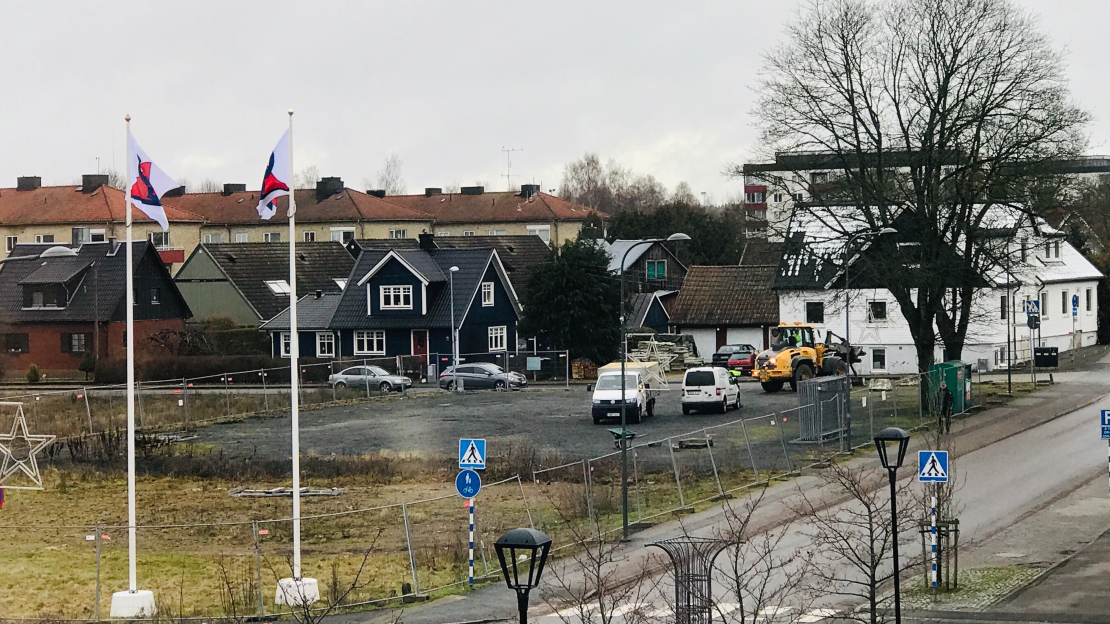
389, 177
307, 177
238, 590
933, 112
207, 186
610, 187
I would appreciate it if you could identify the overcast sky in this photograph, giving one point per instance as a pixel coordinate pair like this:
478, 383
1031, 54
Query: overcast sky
662, 87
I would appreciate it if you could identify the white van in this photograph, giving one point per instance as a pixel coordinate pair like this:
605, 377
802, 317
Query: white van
642, 380
709, 388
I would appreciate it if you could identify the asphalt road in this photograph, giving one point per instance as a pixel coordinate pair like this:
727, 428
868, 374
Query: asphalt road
432, 422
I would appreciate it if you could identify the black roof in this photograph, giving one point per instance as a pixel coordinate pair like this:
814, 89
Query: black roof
248, 266
312, 313
96, 277
520, 254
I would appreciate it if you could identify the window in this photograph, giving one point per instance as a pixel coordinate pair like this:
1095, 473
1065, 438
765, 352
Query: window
497, 232
213, 238
14, 343
343, 235
797, 197
543, 231
656, 269
340, 282
278, 287
395, 234
487, 294
1064, 303
242, 237
369, 343
10, 242
96, 236
80, 235
819, 177
468, 233
75, 343
396, 297
37, 299
285, 344
1005, 303
815, 312
44, 238
876, 311
1043, 298
1056, 246
443, 233
497, 338
310, 237
1088, 298
758, 197
155, 296
1024, 250
160, 240
777, 197
271, 237
878, 359
325, 344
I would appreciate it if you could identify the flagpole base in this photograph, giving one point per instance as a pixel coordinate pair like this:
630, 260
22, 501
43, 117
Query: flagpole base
133, 604
297, 592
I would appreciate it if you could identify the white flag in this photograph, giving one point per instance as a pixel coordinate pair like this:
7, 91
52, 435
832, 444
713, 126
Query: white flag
148, 185
276, 181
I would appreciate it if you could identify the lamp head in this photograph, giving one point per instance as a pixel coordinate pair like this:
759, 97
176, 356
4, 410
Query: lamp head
892, 443
522, 554
678, 236
887, 230
454, 269
59, 251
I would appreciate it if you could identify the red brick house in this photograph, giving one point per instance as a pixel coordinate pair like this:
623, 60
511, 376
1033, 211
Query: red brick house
53, 311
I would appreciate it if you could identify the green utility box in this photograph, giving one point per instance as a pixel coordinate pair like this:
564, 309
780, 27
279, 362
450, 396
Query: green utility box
957, 376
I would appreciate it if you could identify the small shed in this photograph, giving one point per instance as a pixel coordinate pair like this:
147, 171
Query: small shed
721, 305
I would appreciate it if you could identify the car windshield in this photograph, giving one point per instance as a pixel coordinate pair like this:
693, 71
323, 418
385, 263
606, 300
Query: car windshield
725, 350
613, 382
377, 370
700, 378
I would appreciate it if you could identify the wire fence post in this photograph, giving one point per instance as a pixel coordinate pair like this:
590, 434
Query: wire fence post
96, 596
139, 400
258, 568
748, 443
713, 462
366, 378
185, 397
88, 410
586, 488
639, 491
408, 544
265, 393
525, 499
782, 439
677, 480
227, 394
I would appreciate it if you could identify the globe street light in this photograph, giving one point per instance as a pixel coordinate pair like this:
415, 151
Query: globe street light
522, 554
677, 236
891, 444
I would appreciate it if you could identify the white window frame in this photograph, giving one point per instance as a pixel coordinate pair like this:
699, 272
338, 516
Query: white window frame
271, 237
242, 237
778, 198
41, 238
1042, 297
1089, 302
535, 230
10, 242
393, 292
487, 294
285, 343
798, 197
278, 287
97, 236
497, 338
340, 231
874, 352
497, 232
77, 340
373, 342
1005, 307
443, 233
805, 312
886, 308
398, 234
309, 236
213, 239
1065, 303
468, 232
165, 240
325, 338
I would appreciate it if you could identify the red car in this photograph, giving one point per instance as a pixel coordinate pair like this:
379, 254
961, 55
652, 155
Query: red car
743, 361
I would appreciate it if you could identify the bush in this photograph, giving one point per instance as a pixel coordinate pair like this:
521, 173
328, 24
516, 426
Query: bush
87, 365
33, 375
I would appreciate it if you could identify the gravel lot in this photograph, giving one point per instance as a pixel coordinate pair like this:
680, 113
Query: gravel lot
431, 422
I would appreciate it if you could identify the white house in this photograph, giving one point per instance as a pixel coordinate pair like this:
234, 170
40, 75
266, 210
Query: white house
1044, 267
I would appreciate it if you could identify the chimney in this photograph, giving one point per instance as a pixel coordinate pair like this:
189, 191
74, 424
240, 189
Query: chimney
472, 190
319, 294
234, 188
92, 181
432, 190
376, 192
428, 241
28, 183
529, 190
326, 187
113, 245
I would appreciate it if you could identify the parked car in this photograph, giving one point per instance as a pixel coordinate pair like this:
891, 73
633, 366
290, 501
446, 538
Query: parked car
480, 376
374, 377
721, 357
743, 361
641, 383
709, 388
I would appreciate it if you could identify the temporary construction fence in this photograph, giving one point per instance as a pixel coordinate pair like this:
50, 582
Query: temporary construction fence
535, 365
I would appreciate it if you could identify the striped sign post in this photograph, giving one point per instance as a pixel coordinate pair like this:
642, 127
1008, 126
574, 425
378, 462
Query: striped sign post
933, 531
470, 504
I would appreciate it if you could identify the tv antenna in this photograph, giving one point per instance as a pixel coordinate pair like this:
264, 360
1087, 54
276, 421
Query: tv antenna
508, 175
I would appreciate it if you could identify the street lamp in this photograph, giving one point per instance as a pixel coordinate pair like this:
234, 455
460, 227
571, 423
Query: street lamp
888, 441
677, 236
847, 292
58, 251
522, 554
454, 334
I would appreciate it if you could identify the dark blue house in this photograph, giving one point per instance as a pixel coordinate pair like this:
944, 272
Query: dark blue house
399, 302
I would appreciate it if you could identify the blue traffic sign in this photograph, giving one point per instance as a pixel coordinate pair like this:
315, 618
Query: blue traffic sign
932, 466
1075, 305
1032, 307
1105, 424
472, 453
468, 484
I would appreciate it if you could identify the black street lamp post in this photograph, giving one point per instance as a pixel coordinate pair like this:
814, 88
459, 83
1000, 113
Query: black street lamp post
522, 554
891, 444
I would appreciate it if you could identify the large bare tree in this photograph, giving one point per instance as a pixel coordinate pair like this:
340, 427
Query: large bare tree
935, 112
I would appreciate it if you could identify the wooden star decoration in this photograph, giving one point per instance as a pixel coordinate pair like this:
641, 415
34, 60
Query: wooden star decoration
9, 464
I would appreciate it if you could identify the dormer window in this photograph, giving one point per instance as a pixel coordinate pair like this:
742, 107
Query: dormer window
278, 287
37, 299
396, 297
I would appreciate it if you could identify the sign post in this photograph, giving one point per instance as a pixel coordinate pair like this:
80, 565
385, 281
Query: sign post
472, 456
1033, 319
932, 467
1105, 421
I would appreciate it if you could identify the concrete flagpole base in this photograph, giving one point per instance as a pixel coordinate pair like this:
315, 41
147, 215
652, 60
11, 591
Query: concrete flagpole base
133, 604
296, 592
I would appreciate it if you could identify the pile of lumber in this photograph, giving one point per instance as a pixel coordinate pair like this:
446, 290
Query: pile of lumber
672, 351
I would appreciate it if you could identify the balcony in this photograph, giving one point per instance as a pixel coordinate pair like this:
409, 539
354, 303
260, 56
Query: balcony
172, 256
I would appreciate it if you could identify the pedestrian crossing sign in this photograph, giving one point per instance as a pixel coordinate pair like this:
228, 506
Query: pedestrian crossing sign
472, 453
932, 466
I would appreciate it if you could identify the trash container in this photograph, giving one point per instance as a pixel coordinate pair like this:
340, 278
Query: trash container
957, 376
1046, 357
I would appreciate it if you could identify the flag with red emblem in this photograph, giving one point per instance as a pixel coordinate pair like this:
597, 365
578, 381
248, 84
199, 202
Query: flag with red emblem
148, 184
276, 181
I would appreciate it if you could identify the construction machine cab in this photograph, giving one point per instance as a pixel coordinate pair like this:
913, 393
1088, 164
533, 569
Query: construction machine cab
786, 337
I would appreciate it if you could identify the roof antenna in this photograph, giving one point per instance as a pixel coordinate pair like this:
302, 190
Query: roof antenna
508, 175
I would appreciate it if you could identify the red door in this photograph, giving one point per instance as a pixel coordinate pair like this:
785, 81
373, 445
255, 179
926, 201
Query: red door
722, 337
420, 344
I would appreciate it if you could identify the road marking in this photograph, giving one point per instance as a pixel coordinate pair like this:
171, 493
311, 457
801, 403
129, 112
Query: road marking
767, 613
575, 610
816, 615
623, 609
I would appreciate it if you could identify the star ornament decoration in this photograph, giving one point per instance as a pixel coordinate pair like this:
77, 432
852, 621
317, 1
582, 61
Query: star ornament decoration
10, 464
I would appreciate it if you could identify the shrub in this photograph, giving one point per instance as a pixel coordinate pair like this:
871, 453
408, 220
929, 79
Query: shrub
87, 365
33, 375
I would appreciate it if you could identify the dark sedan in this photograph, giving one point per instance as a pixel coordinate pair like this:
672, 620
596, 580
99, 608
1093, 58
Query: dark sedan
721, 357
481, 376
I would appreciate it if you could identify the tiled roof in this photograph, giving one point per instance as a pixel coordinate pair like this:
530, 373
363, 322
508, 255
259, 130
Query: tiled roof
760, 252
250, 265
346, 205
312, 313
67, 204
494, 207
726, 295
520, 254
100, 288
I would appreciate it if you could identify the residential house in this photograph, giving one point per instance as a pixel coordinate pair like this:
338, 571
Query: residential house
328, 212
249, 282
721, 305
476, 212
90, 212
54, 310
648, 267
1041, 266
402, 302
649, 310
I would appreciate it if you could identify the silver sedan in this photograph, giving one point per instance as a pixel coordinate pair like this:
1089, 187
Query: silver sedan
375, 377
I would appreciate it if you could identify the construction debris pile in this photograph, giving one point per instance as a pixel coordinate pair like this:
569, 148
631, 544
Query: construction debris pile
674, 352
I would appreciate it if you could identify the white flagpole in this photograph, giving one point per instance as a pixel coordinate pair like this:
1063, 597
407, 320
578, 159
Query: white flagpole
294, 367
130, 287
